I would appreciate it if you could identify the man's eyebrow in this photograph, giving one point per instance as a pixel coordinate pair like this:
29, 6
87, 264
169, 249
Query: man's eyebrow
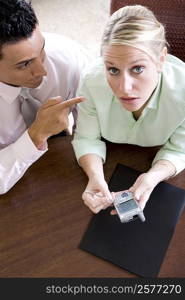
28, 60
24, 61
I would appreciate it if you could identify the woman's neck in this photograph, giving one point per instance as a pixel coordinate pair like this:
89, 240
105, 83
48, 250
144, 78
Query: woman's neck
137, 113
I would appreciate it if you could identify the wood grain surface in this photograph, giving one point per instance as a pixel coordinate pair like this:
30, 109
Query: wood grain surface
42, 218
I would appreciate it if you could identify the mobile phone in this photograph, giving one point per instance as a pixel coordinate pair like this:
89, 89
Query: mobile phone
127, 207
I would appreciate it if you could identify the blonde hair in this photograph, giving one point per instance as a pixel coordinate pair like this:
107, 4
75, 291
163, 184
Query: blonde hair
135, 26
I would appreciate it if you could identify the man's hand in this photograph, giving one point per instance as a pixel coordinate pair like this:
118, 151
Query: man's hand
52, 118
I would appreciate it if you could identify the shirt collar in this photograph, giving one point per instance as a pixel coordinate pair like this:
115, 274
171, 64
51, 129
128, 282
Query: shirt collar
154, 99
9, 93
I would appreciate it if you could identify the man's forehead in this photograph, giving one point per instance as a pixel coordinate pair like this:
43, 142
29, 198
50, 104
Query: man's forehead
23, 49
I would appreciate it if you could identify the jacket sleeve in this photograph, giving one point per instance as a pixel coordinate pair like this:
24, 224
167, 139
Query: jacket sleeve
15, 159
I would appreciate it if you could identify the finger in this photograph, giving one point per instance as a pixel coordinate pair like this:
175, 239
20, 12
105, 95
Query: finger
95, 203
90, 200
106, 205
91, 205
143, 199
99, 197
108, 196
113, 195
72, 102
142, 204
97, 209
138, 192
102, 199
52, 101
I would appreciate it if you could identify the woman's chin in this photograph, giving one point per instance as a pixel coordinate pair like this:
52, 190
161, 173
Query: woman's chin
131, 108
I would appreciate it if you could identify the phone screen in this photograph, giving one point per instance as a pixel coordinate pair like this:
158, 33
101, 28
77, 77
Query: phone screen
127, 206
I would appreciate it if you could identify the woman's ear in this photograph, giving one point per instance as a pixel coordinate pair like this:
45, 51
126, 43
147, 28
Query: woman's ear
162, 59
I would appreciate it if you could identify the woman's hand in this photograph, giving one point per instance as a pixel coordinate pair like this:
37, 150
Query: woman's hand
143, 188
97, 195
146, 182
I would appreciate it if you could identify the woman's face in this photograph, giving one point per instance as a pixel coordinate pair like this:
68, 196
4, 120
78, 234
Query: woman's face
132, 75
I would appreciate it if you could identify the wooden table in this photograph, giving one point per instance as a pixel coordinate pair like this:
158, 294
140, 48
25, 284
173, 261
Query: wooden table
42, 218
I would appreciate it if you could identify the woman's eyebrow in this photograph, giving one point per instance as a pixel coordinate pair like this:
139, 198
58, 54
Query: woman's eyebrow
132, 62
138, 60
109, 62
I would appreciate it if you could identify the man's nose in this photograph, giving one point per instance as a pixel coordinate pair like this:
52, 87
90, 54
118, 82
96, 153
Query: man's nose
38, 69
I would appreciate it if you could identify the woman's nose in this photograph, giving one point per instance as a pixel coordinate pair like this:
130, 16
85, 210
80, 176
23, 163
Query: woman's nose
126, 84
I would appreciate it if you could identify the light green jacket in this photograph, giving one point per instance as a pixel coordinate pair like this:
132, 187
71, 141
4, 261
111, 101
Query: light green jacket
162, 121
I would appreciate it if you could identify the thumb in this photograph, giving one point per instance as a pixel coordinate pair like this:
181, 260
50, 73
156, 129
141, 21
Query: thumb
143, 199
107, 194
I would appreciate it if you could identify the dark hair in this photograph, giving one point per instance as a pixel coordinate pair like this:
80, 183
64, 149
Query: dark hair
17, 21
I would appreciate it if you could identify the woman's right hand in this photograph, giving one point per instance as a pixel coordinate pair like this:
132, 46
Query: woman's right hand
97, 195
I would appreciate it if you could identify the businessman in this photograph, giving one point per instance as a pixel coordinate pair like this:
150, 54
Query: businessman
38, 73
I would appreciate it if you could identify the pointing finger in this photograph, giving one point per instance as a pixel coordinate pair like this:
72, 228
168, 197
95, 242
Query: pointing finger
72, 102
51, 102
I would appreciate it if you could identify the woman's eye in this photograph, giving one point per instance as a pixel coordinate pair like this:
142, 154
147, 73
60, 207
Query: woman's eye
138, 69
113, 71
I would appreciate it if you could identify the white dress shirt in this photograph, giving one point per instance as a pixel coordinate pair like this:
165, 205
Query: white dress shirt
64, 62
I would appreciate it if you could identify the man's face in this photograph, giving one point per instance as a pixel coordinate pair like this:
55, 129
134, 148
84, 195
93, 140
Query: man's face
22, 62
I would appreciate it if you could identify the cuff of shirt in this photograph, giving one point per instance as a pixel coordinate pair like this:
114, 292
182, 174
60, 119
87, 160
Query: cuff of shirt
26, 150
177, 161
83, 147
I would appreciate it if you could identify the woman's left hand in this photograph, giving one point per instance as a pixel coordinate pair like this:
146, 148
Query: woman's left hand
143, 187
146, 182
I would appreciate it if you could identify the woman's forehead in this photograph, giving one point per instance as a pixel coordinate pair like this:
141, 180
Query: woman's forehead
123, 53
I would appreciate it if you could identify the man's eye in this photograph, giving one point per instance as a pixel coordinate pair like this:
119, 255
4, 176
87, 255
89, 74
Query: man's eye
113, 71
138, 69
24, 65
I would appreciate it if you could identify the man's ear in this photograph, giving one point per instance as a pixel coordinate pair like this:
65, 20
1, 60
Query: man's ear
162, 59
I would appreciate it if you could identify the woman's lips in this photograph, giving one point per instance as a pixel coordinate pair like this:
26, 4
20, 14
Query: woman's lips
129, 100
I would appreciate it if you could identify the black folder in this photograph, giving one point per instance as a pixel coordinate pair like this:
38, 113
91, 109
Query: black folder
138, 247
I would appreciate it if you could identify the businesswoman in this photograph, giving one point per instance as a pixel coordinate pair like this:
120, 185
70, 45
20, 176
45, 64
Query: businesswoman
135, 94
